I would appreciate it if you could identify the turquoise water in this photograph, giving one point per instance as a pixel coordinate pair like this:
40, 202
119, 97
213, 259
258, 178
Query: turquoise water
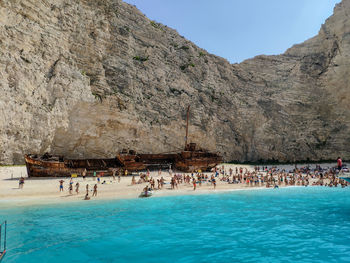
282, 225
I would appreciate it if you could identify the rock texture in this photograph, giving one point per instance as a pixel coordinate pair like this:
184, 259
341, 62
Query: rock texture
86, 78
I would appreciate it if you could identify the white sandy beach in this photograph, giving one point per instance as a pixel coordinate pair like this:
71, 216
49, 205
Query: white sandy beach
46, 190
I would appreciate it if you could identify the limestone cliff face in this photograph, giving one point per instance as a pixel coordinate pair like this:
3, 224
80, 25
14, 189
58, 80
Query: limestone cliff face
86, 78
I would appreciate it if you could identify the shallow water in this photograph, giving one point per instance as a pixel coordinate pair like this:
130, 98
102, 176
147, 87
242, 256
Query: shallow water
282, 225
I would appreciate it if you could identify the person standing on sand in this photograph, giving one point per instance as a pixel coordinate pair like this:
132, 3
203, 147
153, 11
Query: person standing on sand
77, 187
87, 189
21, 182
152, 182
70, 188
61, 185
113, 174
339, 163
95, 190
214, 183
84, 174
194, 184
161, 182
172, 183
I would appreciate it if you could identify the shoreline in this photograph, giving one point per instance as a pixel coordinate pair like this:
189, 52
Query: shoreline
37, 201
42, 191
25, 202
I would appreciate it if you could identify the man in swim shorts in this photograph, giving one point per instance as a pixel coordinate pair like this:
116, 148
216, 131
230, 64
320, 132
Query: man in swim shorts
61, 185
21, 182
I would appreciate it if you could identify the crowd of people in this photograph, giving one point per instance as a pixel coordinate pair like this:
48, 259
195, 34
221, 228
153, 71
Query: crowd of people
274, 177
259, 176
76, 186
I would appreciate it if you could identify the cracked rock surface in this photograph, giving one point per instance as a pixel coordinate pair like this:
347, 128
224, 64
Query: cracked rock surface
87, 78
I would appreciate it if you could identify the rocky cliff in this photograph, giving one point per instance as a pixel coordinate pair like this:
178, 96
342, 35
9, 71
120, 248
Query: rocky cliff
86, 78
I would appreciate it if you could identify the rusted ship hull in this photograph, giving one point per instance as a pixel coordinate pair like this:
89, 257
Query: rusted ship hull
191, 161
189, 166
140, 162
56, 166
186, 161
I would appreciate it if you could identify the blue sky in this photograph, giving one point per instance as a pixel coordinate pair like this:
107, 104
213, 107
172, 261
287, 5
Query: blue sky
241, 29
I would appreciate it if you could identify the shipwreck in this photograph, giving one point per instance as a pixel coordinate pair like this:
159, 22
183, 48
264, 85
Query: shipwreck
127, 161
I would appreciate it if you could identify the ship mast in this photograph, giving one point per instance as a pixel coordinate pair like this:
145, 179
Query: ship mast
188, 114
